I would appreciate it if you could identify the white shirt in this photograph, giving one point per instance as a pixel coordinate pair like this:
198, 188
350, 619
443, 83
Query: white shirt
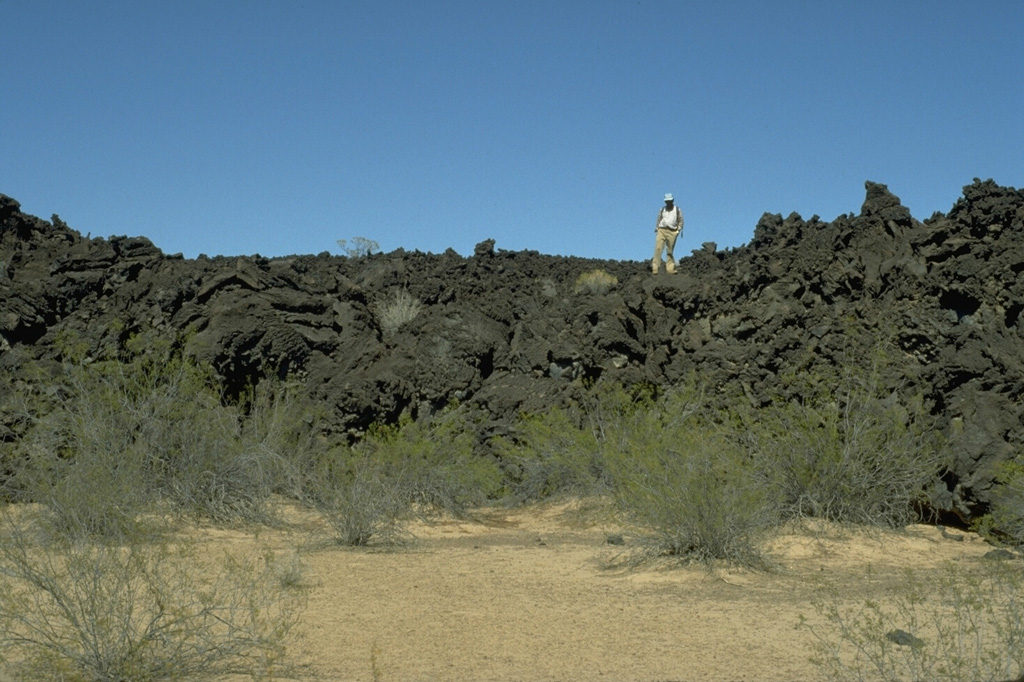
670, 219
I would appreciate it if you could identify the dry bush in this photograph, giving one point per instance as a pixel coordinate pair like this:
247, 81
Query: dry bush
595, 282
362, 501
397, 310
965, 626
78, 611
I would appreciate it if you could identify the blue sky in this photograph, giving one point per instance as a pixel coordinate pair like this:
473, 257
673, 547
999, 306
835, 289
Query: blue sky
233, 128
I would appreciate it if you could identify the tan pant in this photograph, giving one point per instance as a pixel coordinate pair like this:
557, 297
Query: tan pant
664, 239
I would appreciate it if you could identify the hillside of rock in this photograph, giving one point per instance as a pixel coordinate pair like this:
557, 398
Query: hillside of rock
509, 331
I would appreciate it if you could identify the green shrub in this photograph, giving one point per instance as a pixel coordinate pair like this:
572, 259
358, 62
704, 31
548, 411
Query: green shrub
965, 626
691, 491
149, 432
698, 500
78, 611
1005, 520
707, 479
552, 456
97, 459
437, 459
561, 452
861, 455
367, 492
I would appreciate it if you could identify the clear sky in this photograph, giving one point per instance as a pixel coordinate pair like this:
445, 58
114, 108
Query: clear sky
237, 127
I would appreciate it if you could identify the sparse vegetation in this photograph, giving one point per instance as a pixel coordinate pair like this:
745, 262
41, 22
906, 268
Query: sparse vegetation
689, 478
149, 432
688, 491
367, 492
706, 482
397, 310
856, 457
436, 457
1005, 520
360, 500
843, 443
691, 493
965, 627
552, 457
702, 482
80, 611
595, 282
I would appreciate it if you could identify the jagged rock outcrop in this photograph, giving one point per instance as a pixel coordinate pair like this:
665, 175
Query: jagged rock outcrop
509, 331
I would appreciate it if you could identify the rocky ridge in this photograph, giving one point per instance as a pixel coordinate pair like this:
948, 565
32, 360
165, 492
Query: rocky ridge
508, 331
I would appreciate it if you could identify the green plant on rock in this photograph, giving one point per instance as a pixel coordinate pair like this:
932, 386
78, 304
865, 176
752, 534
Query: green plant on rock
551, 456
561, 451
436, 456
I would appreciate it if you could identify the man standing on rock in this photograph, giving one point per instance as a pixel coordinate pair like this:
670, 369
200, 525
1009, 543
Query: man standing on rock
666, 231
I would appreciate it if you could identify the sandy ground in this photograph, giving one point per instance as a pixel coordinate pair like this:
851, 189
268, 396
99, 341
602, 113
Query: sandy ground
538, 594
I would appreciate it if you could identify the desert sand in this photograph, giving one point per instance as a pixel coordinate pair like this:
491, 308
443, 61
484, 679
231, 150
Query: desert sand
539, 594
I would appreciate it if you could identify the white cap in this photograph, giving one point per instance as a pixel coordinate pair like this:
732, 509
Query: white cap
668, 197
